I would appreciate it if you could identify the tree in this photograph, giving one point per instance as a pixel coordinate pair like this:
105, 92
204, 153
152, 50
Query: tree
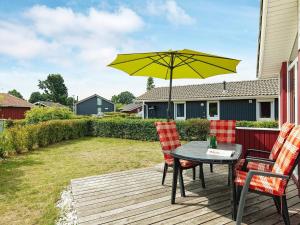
125, 97
70, 102
54, 88
150, 83
15, 93
115, 99
36, 97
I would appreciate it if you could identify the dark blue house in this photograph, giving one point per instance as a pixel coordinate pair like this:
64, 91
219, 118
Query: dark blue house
94, 105
242, 100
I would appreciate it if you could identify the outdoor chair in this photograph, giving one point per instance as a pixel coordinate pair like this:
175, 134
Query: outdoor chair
274, 182
224, 130
169, 140
272, 155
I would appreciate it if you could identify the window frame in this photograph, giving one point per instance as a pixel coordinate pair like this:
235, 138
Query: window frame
175, 111
218, 108
272, 104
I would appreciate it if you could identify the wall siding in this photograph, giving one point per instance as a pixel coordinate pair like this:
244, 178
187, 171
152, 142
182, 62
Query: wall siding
238, 110
160, 109
13, 112
195, 110
90, 106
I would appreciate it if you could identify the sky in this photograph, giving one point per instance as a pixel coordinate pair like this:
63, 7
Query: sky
79, 38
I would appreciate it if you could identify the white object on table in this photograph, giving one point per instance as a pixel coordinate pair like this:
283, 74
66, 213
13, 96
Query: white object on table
219, 152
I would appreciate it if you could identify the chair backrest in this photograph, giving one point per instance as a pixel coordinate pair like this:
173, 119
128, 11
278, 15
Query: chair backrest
168, 137
285, 130
224, 130
285, 162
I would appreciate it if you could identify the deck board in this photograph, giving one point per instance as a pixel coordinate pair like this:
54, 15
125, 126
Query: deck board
137, 197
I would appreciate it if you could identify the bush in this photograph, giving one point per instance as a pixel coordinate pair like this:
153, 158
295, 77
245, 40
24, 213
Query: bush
258, 124
40, 114
196, 129
25, 138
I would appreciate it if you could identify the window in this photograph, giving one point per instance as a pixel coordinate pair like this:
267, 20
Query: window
213, 110
265, 109
99, 101
179, 110
99, 111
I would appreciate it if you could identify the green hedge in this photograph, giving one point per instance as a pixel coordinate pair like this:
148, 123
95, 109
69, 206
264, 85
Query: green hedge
25, 138
145, 130
258, 124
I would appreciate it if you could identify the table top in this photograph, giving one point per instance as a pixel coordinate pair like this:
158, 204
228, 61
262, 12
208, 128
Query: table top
196, 151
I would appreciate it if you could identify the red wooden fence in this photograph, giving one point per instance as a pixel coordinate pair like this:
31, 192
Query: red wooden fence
258, 138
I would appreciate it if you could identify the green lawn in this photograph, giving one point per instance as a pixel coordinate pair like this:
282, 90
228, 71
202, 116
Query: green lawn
30, 184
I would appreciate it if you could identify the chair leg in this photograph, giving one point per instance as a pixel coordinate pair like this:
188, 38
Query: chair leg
211, 168
238, 193
201, 175
277, 204
194, 173
182, 191
285, 211
242, 204
164, 174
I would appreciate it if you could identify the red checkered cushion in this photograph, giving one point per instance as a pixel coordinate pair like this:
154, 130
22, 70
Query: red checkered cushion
284, 132
261, 183
283, 165
224, 130
259, 166
169, 140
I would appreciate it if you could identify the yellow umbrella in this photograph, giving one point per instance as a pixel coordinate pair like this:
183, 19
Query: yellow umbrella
171, 65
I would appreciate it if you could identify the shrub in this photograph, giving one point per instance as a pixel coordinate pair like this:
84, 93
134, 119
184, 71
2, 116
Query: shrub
25, 138
145, 129
258, 124
4, 144
40, 114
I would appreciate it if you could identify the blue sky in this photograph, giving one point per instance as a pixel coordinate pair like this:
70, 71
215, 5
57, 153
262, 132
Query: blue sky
78, 38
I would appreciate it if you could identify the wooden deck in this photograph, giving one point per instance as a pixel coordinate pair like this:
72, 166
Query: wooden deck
137, 197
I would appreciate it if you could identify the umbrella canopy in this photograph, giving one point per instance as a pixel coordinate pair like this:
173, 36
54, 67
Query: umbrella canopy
169, 65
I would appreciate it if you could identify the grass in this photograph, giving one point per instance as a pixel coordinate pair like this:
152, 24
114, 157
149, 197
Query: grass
30, 184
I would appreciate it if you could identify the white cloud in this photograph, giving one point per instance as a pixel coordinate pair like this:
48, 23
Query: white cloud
171, 10
57, 34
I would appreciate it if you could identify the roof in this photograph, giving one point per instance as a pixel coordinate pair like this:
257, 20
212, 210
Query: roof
277, 35
131, 106
7, 100
92, 96
49, 104
239, 89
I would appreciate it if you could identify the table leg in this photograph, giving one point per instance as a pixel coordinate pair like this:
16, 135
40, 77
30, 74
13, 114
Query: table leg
175, 178
201, 175
233, 192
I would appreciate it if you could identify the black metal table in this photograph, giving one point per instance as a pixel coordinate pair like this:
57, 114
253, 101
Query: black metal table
196, 151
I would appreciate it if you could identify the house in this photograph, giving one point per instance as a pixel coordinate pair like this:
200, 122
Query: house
135, 107
278, 55
242, 100
94, 105
12, 107
49, 104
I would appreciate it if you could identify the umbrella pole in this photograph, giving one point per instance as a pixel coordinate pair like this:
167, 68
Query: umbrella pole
170, 95
170, 88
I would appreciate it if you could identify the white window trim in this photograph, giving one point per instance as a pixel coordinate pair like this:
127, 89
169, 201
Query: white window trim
258, 109
207, 110
290, 66
175, 111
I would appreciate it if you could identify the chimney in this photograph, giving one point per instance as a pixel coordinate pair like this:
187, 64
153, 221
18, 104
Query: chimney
224, 87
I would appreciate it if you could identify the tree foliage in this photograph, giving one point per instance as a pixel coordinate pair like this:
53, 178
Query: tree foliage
124, 97
36, 97
54, 88
15, 93
150, 83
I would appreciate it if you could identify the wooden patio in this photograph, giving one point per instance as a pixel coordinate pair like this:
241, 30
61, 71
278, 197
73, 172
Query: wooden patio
137, 197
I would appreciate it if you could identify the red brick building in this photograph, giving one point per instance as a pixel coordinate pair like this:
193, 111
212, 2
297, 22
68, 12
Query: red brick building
12, 107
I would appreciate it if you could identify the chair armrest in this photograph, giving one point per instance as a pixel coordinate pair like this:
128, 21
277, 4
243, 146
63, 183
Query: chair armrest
251, 173
259, 160
257, 150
